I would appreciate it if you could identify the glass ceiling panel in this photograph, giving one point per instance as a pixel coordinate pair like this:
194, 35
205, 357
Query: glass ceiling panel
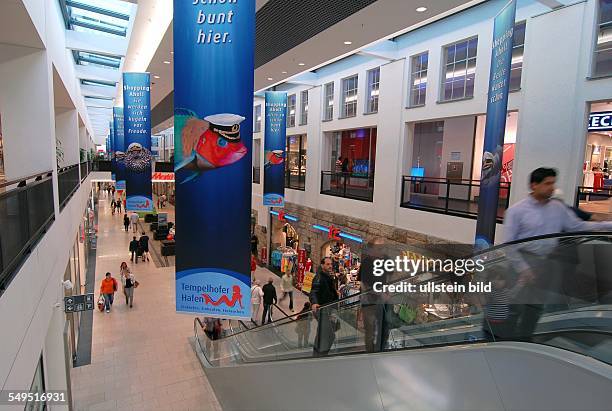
84, 58
107, 17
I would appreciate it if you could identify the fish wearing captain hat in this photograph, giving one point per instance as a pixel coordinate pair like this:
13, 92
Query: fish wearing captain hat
220, 144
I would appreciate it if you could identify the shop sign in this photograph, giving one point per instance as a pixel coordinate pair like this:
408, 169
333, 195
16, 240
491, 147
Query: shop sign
335, 234
159, 177
283, 217
274, 148
307, 285
301, 267
600, 121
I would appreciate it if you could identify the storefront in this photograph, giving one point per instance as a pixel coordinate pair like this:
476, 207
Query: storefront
284, 241
163, 184
295, 165
595, 188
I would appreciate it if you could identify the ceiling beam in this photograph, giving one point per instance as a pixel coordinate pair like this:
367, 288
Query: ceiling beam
386, 50
95, 43
98, 91
97, 73
305, 79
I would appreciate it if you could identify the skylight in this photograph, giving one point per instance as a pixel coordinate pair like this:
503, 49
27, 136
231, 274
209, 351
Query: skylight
84, 58
105, 17
98, 83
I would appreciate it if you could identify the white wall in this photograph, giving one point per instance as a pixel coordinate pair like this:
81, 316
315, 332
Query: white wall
67, 132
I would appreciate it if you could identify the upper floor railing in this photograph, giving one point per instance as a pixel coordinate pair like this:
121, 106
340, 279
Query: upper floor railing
457, 197
256, 175
101, 165
68, 182
26, 211
348, 185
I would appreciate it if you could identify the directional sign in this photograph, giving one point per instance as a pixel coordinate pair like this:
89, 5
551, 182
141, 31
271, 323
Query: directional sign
77, 303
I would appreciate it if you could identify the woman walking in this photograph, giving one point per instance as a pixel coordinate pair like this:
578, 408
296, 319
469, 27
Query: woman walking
256, 298
126, 222
128, 280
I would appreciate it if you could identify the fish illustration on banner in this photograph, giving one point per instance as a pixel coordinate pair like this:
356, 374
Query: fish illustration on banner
209, 143
274, 158
213, 136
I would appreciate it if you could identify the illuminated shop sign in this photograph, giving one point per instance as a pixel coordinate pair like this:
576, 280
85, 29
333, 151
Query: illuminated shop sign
282, 216
160, 177
601, 121
334, 233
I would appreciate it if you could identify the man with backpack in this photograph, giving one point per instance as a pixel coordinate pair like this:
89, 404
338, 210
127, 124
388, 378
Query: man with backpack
108, 288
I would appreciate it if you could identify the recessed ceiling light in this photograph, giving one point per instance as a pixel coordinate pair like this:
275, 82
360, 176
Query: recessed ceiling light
283, 72
270, 78
172, 52
348, 43
155, 76
166, 62
421, 9
301, 64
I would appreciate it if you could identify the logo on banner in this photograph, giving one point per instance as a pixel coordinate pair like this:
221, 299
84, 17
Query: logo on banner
224, 299
281, 215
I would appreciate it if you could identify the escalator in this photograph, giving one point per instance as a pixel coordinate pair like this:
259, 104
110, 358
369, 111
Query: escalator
451, 354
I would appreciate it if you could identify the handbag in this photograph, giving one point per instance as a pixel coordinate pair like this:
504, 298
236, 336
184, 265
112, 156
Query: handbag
136, 284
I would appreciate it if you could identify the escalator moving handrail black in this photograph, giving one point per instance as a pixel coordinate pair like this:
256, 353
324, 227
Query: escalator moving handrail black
497, 247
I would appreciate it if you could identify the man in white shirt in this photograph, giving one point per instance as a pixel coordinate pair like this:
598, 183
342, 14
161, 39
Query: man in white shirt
134, 220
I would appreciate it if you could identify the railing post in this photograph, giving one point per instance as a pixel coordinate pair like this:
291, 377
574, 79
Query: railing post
345, 175
447, 194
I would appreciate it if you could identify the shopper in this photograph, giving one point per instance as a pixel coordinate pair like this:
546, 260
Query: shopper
322, 293
112, 204
534, 216
129, 283
213, 330
113, 190
118, 204
143, 242
253, 266
256, 299
302, 327
269, 298
287, 288
134, 220
108, 288
134, 244
126, 221
254, 244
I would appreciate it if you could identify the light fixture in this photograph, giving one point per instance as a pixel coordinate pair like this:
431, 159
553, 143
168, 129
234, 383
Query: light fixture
172, 52
270, 79
421, 9
155, 76
348, 43
283, 72
166, 62
301, 64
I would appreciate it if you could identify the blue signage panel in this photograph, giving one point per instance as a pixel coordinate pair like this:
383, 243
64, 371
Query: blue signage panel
495, 127
213, 108
600, 121
119, 155
138, 159
274, 148
111, 138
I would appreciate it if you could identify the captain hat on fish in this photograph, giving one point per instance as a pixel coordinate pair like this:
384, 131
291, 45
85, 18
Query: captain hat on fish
227, 125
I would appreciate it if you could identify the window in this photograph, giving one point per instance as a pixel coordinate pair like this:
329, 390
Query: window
603, 49
518, 47
295, 166
459, 70
95, 16
257, 119
291, 111
304, 108
373, 87
328, 101
418, 79
349, 96
83, 58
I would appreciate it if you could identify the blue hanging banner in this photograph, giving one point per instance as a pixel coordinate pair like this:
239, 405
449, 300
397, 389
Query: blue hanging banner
138, 158
495, 127
213, 130
274, 148
119, 154
111, 153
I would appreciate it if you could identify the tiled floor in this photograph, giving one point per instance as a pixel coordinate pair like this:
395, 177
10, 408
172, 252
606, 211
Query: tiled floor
141, 357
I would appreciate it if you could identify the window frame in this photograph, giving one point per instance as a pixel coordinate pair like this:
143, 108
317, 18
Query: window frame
343, 96
304, 108
302, 150
445, 64
514, 46
370, 100
597, 29
256, 122
326, 100
412, 73
290, 116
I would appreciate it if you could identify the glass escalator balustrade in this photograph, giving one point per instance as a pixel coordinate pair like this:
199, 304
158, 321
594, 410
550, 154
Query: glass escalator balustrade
555, 290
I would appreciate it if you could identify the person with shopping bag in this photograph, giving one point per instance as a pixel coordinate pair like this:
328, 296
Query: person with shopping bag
108, 288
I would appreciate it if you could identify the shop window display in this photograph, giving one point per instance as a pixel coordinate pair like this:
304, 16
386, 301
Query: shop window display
295, 166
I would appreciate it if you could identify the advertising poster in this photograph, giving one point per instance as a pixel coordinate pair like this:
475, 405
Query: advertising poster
119, 154
137, 159
111, 153
213, 131
495, 127
274, 148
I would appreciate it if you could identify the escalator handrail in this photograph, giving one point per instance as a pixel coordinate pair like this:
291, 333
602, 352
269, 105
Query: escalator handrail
581, 234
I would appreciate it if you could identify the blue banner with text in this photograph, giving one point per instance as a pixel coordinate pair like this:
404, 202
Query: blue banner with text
274, 148
119, 154
495, 126
213, 106
137, 121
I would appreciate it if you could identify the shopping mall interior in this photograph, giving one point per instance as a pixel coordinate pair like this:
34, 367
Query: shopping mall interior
206, 205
